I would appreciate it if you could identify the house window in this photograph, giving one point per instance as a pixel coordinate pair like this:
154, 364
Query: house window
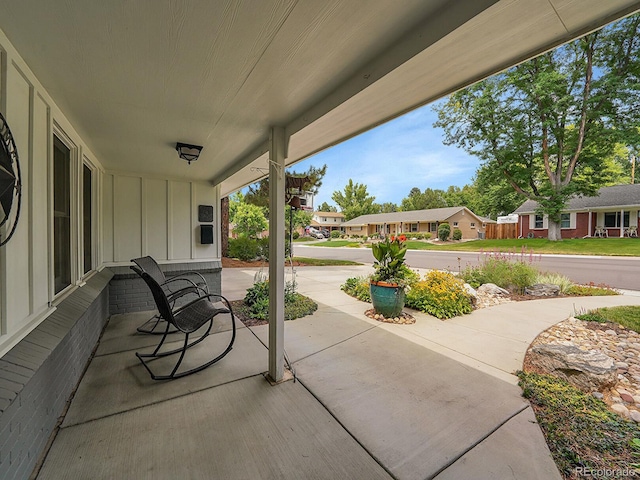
413, 227
472, 224
455, 224
539, 221
433, 227
86, 218
565, 220
612, 219
61, 215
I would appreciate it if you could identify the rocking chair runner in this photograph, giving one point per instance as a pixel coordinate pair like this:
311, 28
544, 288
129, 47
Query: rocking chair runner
186, 319
190, 286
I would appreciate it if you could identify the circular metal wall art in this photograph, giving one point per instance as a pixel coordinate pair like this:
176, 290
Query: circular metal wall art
10, 183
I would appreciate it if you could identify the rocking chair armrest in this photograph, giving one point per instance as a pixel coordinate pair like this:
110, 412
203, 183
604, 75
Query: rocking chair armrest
206, 298
179, 279
176, 294
183, 276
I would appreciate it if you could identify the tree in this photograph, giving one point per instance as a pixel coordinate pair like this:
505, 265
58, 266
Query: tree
325, 207
249, 220
388, 207
355, 201
417, 200
546, 125
258, 193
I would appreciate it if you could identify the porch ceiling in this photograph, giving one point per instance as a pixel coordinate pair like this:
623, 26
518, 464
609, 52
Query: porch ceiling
136, 77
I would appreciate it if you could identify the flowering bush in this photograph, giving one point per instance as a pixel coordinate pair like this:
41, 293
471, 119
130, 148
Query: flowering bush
440, 294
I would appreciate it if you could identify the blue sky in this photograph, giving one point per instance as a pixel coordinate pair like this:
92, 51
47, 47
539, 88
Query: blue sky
392, 159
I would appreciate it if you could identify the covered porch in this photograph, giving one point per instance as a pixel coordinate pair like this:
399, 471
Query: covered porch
369, 400
98, 95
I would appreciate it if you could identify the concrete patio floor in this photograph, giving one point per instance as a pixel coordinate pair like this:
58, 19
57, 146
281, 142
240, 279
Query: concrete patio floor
370, 400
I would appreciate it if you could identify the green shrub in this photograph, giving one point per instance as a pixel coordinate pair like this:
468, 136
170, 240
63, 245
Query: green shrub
592, 316
244, 248
457, 234
443, 232
591, 290
555, 279
357, 287
296, 235
296, 305
426, 236
579, 429
263, 247
440, 294
335, 234
513, 275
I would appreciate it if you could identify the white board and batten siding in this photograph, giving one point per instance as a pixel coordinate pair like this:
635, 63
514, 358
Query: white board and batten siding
26, 269
150, 216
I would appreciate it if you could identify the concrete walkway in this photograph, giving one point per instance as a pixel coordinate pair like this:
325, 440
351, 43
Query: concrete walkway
430, 400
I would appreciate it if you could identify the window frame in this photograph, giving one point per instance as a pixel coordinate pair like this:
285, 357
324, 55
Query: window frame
60, 137
538, 220
625, 219
83, 272
565, 217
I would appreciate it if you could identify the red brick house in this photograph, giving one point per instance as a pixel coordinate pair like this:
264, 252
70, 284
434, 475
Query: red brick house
613, 212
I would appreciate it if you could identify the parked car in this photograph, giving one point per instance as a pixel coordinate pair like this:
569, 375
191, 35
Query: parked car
325, 232
315, 233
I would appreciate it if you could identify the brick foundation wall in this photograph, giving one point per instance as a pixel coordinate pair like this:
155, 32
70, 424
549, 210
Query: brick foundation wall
39, 374
129, 293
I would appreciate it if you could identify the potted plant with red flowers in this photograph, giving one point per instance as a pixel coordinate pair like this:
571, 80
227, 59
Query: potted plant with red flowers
389, 280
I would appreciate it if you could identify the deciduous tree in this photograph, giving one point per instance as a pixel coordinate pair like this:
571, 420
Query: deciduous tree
547, 125
355, 200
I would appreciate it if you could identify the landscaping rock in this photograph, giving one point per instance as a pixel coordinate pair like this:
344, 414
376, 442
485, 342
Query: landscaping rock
542, 290
621, 409
473, 295
492, 289
587, 371
635, 415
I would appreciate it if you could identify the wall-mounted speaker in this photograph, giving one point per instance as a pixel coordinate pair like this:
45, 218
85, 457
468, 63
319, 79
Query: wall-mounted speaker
205, 213
206, 234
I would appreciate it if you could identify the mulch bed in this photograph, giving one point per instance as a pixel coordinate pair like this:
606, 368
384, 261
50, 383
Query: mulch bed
235, 263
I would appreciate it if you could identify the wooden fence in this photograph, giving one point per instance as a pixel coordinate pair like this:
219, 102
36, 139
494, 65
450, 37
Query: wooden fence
501, 231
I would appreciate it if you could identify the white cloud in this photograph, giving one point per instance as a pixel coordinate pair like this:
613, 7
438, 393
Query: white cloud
393, 158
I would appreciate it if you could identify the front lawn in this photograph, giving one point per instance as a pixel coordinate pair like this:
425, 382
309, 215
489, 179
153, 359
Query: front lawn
627, 316
577, 246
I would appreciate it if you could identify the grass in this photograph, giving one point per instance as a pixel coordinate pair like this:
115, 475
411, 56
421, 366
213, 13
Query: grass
577, 246
323, 262
580, 246
580, 430
339, 243
628, 316
304, 239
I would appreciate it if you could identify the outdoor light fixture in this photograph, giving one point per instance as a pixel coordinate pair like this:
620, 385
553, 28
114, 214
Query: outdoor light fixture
187, 152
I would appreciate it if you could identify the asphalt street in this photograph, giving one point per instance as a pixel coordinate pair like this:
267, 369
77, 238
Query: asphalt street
617, 272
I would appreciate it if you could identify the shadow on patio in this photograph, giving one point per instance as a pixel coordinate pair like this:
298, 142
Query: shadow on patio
366, 403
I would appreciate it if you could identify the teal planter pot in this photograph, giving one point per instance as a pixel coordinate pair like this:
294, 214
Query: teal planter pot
387, 300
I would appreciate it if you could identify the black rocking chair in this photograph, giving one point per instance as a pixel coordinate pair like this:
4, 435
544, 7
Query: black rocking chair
188, 286
186, 319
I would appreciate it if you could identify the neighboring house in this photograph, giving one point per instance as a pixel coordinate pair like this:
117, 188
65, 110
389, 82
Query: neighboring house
417, 221
328, 220
612, 211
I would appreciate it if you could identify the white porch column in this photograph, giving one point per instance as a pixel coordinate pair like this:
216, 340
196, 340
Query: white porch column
622, 222
277, 155
590, 221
